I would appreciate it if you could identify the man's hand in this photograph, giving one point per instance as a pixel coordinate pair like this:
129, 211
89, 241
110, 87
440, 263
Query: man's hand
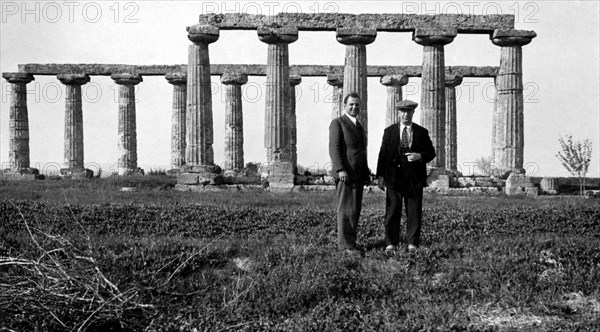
413, 156
381, 183
343, 175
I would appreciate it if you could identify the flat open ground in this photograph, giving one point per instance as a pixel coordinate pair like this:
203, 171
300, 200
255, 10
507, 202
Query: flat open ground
77, 256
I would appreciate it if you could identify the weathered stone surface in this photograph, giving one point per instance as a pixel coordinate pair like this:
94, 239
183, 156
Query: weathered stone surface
176, 78
73, 79
337, 97
508, 117
203, 34
277, 34
73, 132
512, 37
393, 85
520, 184
234, 78
250, 70
18, 153
199, 178
214, 169
394, 80
234, 122
355, 79
76, 173
178, 116
355, 36
380, 22
127, 122
451, 135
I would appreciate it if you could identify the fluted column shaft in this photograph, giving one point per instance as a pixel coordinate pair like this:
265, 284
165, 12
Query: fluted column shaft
394, 84
294, 81
199, 117
234, 121
73, 145
127, 122
508, 132
433, 95
337, 83
277, 131
451, 134
178, 115
355, 66
18, 126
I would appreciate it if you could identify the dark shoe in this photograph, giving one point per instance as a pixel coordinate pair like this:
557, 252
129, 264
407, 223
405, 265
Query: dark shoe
412, 249
390, 248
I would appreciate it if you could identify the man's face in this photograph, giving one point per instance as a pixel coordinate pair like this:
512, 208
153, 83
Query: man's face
352, 106
406, 116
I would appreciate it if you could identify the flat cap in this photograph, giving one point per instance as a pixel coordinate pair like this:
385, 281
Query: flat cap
406, 105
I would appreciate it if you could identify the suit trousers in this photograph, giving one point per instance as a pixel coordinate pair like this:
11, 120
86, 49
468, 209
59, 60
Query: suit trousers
413, 200
349, 205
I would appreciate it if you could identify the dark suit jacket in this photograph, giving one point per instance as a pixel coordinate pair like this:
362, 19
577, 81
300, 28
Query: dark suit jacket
389, 158
348, 150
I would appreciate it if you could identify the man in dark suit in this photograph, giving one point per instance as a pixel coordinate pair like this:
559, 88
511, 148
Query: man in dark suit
401, 172
348, 152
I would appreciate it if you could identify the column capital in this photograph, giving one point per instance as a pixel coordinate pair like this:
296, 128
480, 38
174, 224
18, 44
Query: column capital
127, 79
176, 78
434, 36
234, 78
394, 80
355, 36
18, 77
73, 79
335, 80
202, 33
274, 34
295, 80
512, 37
453, 80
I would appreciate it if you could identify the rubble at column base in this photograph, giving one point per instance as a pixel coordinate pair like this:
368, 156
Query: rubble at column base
25, 174
76, 173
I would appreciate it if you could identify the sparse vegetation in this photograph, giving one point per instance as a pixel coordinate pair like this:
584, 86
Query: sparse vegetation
256, 261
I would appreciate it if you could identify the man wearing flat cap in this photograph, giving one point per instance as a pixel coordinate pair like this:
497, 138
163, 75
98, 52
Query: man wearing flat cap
402, 173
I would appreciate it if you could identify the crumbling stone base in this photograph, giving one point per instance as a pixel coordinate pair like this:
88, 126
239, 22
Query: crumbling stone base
520, 184
25, 174
200, 175
76, 173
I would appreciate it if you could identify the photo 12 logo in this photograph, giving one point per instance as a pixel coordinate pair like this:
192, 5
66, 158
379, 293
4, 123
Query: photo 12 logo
269, 8
69, 11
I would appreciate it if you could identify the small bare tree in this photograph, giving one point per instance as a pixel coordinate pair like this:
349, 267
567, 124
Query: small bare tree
485, 166
575, 157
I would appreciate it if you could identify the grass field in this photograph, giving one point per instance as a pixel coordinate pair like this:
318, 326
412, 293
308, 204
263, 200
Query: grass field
86, 256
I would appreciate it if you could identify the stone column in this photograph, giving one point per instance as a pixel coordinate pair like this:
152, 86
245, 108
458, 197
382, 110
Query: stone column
433, 97
199, 165
18, 126
394, 84
355, 65
452, 81
73, 146
179, 82
294, 80
507, 139
127, 164
277, 133
234, 121
337, 82
199, 141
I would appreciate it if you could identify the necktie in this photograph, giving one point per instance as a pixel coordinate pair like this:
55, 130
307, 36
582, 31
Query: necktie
404, 139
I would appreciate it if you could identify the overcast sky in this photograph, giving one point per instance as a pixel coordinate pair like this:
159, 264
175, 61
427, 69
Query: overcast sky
560, 74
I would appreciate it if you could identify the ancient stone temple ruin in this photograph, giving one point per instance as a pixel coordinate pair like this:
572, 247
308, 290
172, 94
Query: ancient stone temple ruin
192, 120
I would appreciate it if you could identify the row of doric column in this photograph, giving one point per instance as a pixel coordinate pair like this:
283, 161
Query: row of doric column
234, 134
438, 106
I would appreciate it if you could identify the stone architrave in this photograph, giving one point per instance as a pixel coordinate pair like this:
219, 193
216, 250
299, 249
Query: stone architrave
234, 121
73, 146
199, 141
18, 151
394, 84
433, 95
277, 133
178, 123
337, 97
507, 135
294, 80
355, 65
452, 81
127, 164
